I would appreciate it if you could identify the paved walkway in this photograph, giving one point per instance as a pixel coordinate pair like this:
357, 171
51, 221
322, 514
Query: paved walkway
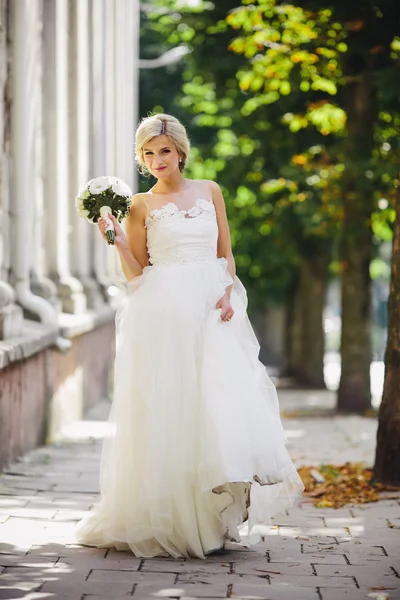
310, 553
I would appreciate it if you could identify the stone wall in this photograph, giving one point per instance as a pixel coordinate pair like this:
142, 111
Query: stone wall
68, 109
44, 392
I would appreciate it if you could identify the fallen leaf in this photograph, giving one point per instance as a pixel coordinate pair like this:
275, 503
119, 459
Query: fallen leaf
349, 483
325, 504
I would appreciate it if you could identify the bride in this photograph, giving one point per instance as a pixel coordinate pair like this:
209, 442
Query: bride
198, 454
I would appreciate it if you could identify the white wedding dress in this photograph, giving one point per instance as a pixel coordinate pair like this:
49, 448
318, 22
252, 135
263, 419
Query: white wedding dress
198, 452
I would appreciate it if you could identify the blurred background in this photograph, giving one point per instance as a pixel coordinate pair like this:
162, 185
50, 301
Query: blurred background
293, 109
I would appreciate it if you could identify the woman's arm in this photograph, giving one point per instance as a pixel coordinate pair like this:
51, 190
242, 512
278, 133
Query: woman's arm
133, 254
132, 247
224, 248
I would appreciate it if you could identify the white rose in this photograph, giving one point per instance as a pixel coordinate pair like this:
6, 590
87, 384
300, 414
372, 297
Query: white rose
84, 193
98, 185
121, 188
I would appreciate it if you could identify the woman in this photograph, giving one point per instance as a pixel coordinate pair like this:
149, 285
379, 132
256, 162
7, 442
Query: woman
198, 453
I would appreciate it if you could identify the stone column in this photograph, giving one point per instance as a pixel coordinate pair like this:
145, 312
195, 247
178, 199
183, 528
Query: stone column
124, 30
10, 313
80, 234
100, 79
57, 193
126, 74
40, 285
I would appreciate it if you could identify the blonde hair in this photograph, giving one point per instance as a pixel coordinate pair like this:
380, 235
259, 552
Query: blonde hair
161, 124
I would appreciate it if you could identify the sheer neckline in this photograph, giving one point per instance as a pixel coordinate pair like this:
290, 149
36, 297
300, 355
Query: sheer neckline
171, 208
178, 208
192, 184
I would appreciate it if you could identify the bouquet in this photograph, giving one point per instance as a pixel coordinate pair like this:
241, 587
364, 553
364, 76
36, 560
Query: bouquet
101, 196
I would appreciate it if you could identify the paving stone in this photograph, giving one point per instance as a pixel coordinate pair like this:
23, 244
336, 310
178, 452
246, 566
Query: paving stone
359, 594
65, 551
340, 546
6, 490
217, 590
276, 568
314, 581
317, 558
7, 502
68, 586
97, 597
300, 520
12, 589
188, 566
370, 575
28, 512
12, 560
13, 593
269, 592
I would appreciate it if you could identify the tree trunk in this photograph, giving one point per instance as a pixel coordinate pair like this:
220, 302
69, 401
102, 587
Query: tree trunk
306, 341
293, 330
313, 284
387, 459
354, 393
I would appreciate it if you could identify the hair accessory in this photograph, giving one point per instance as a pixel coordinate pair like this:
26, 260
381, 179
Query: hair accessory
163, 127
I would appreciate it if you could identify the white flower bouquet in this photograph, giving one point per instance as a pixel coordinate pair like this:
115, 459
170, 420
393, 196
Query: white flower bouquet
101, 196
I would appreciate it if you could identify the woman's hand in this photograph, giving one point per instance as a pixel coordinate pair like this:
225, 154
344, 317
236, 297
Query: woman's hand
227, 311
120, 237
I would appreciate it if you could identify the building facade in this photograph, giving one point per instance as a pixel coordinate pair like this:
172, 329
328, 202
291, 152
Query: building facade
68, 110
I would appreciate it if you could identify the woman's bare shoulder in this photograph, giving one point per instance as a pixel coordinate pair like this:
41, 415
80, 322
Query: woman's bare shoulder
138, 205
210, 184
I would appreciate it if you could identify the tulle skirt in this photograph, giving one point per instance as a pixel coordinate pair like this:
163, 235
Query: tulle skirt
198, 452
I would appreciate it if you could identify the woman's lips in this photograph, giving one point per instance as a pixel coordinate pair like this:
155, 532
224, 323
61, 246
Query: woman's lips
161, 168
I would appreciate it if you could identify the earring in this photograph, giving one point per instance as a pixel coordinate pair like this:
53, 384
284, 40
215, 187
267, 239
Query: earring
180, 160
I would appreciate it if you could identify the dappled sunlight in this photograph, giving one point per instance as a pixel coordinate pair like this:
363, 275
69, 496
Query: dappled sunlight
85, 430
294, 433
332, 372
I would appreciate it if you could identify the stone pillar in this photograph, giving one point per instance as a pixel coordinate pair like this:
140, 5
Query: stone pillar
100, 79
123, 29
10, 313
57, 193
126, 74
40, 285
79, 147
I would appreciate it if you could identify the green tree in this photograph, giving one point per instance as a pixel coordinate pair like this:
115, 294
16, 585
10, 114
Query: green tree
247, 150
337, 58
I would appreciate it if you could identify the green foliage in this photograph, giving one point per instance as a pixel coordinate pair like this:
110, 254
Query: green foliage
263, 96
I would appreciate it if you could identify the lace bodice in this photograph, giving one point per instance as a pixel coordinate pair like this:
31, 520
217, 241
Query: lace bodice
182, 235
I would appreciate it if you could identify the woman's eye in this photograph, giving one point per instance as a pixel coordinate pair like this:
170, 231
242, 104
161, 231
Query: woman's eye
166, 151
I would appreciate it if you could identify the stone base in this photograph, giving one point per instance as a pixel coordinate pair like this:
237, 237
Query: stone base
11, 320
93, 292
44, 390
45, 288
11, 315
71, 296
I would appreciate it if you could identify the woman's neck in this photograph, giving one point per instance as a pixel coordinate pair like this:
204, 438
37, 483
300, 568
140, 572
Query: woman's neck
170, 185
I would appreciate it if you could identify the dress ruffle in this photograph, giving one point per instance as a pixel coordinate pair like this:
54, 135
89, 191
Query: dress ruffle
198, 453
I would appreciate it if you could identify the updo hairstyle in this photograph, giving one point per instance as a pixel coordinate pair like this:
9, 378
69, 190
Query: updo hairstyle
161, 124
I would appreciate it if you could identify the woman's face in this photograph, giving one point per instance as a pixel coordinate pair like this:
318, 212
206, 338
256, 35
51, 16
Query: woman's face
161, 156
